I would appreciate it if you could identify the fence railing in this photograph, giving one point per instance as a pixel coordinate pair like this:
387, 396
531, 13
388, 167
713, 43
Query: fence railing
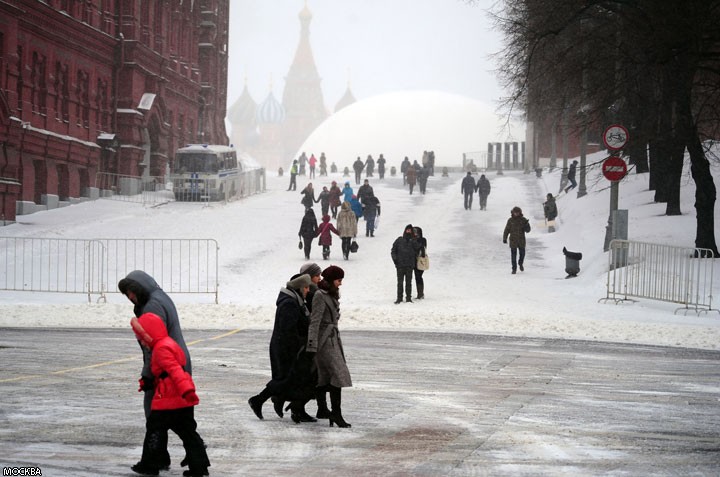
94, 267
144, 190
681, 275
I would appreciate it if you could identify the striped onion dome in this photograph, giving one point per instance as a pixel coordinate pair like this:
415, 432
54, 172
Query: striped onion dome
270, 110
243, 110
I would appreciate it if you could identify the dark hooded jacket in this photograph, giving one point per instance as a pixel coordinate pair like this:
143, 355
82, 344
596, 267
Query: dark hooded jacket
308, 226
158, 302
516, 228
289, 335
405, 249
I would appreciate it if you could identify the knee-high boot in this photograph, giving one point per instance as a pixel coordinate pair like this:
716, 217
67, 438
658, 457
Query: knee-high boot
321, 396
336, 412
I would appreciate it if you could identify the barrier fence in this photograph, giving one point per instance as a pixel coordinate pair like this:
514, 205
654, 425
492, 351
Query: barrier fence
681, 275
94, 267
143, 190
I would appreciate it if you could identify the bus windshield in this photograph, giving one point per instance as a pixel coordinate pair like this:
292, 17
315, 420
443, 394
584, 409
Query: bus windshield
197, 162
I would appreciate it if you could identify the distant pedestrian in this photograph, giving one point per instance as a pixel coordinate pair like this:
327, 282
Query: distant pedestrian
347, 192
293, 175
324, 199
467, 188
358, 167
411, 178
334, 195
419, 282
325, 231
302, 162
365, 190
369, 166
308, 199
483, 189
422, 178
404, 166
404, 254
516, 228
571, 176
381, 166
308, 230
173, 403
551, 212
371, 210
323, 164
347, 228
312, 162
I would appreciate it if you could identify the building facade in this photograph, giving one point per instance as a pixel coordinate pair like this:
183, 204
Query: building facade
95, 88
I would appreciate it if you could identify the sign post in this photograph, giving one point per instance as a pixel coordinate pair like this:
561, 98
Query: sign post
614, 169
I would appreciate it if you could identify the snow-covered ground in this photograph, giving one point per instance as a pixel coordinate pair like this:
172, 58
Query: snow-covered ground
468, 289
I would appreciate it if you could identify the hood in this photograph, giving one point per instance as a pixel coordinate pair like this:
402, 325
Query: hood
405, 233
345, 205
326, 218
418, 231
149, 329
147, 282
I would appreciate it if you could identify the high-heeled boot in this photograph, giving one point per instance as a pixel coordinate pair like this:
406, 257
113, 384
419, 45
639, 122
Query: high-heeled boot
336, 412
321, 397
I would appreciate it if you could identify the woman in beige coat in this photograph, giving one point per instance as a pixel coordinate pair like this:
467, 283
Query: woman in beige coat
347, 227
325, 343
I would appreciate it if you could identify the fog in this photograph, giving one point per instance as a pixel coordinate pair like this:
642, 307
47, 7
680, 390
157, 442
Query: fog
379, 46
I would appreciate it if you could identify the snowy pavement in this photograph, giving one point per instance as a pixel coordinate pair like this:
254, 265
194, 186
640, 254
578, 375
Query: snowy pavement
426, 404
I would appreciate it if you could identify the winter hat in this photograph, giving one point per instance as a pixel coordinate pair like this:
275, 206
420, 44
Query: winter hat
332, 273
334, 183
311, 268
298, 282
408, 226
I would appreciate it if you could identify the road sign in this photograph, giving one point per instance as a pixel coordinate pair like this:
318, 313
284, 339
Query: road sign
615, 137
614, 168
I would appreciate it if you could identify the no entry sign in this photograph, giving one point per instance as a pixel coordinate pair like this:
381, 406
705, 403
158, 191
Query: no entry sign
614, 168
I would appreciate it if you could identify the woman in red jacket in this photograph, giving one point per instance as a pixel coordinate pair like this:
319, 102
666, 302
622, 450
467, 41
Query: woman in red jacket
173, 403
324, 231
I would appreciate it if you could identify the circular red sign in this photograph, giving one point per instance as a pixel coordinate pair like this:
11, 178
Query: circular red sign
614, 168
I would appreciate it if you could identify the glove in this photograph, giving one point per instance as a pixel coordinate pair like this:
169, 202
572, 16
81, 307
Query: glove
191, 396
504, 241
146, 383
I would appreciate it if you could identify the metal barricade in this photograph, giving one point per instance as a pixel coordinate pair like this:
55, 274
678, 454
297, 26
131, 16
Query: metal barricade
51, 265
681, 275
150, 190
177, 265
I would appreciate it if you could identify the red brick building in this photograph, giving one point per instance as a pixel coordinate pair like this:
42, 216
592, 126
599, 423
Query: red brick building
105, 86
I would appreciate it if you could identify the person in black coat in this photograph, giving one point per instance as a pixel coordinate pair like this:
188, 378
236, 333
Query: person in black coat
404, 254
358, 167
571, 176
291, 377
467, 188
308, 230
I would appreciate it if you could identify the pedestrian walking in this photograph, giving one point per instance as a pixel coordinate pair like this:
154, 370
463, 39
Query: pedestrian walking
404, 166
324, 199
369, 166
324, 341
293, 175
371, 210
365, 190
404, 254
419, 282
381, 166
358, 167
347, 192
516, 228
308, 199
147, 297
422, 179
323, 164
292, 378
325, 231
308, 231
571, 176
467, 188
551, 212
173, 402
334, 196
302, 162
411, 178
483, 190
356, 206
312, 162
347, 228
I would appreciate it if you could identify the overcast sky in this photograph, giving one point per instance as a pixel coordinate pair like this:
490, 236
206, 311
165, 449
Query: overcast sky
379, 45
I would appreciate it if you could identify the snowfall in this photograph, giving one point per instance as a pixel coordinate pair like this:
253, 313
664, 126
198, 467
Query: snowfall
468, 289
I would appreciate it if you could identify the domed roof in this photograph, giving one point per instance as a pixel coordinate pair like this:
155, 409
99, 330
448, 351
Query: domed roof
346, 100
270, 111
243, 110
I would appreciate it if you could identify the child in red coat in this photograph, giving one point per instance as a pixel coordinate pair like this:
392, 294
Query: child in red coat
173, 403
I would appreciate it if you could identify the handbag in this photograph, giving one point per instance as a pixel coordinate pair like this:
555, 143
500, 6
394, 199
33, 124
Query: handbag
423, 262
300, 245
354, 246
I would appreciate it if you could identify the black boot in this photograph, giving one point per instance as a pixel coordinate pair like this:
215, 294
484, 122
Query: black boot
336, 412
145, 469
298, 413
256, 402
278, 405
321, 397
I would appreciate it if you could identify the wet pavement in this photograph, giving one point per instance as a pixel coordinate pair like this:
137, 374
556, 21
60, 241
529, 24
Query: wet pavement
423, 404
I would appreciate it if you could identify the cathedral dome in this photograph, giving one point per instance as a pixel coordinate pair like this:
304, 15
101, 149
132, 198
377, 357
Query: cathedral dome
243, 110
347, 99
270, 111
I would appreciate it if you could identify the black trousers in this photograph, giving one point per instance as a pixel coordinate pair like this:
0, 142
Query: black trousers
517, 256
468, 200
404, 275
346, 242
181, 422
307, 243
419, 282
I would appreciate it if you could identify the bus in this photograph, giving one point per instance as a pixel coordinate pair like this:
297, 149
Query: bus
205, 172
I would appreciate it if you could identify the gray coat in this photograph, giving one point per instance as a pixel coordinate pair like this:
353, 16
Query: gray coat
324, 340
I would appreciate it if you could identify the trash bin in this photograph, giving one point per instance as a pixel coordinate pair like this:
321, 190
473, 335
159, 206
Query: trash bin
572, 263
538, 172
